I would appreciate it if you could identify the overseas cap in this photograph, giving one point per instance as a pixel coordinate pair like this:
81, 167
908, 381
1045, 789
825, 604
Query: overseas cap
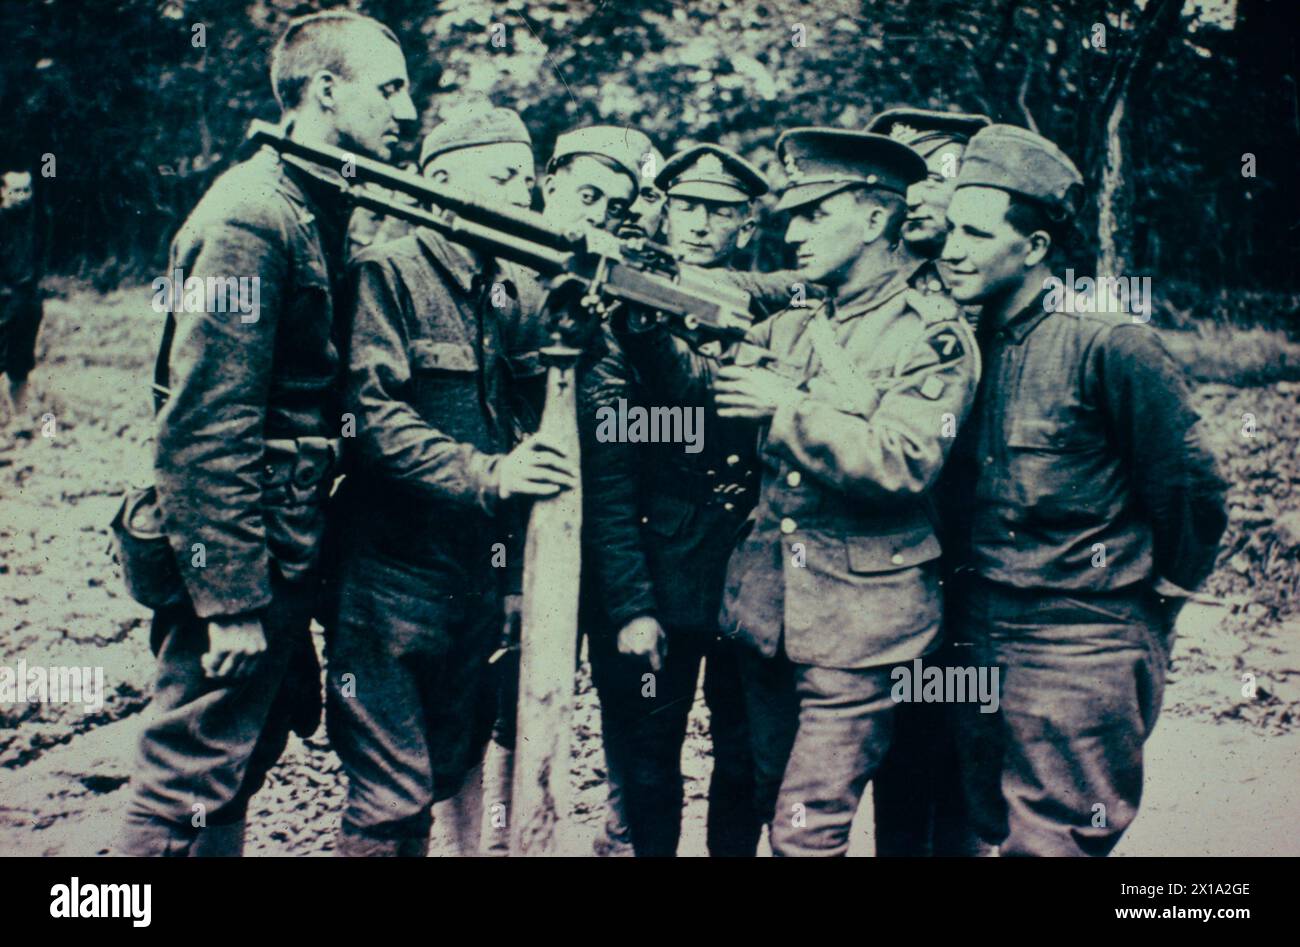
626, 147
1017, 160
927, 130
711, 173
823, 161
490, 127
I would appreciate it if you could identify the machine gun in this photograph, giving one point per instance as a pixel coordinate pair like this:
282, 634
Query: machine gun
592, 268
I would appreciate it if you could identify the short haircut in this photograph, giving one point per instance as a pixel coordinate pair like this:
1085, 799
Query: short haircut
311, 44
1026, 215
894, 206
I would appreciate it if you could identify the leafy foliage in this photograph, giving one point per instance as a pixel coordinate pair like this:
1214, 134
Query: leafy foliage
139, 118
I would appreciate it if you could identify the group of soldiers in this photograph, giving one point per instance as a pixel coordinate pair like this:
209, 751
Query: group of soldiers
878, 483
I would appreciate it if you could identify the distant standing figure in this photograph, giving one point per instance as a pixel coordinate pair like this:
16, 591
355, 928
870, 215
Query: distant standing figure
20, 290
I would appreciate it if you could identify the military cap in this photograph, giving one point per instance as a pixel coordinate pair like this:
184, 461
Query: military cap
822, 161
927, 130
469, 129
711, 173
1022, 162
626, 147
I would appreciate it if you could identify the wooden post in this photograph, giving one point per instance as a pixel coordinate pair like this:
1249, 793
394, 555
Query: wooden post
542, 794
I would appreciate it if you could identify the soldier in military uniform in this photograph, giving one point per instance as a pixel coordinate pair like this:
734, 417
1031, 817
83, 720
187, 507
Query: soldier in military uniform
429, 506
1092, 504
836, 579
659, 528
918, 803
245, 447
594, 179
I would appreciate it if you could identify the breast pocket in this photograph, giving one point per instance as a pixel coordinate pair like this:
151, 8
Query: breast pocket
446, 387
1048, 457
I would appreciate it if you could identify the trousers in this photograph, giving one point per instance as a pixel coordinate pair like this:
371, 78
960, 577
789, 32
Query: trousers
1057, 769
645, 720
818, 736
207, 746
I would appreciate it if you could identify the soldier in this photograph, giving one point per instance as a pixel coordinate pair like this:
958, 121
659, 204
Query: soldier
246, 445
916, 791
1091, 501
836, 579
20, 291
594, 180
597, 178
660, 523
429, 507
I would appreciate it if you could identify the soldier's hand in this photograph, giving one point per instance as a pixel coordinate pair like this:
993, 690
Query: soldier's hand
235, 645
536, 468
643, 637
752, 393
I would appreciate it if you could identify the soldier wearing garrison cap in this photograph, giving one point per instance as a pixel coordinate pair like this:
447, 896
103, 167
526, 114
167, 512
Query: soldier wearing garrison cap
917, 797
1090, 505
602, 176
441, 470
658, 527
835, 579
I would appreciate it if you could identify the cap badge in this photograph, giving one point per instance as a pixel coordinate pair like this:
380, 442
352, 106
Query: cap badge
903, 133
709, 165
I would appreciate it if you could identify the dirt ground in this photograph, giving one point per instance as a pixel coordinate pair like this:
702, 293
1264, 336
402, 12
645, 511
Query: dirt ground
1224, 762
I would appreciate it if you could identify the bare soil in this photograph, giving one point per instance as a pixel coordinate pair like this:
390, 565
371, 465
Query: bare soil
1224, 763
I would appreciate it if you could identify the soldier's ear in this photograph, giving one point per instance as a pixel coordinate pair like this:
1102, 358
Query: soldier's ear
1038, 244
746, 233
874, 221
320, 89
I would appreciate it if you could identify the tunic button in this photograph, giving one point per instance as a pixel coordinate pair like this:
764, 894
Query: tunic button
988, 460
728, 507
896, 558
788, 526
794, 478
733, 459
645, 519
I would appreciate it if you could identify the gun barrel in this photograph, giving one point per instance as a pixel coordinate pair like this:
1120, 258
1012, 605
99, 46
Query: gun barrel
526, 224
498, 244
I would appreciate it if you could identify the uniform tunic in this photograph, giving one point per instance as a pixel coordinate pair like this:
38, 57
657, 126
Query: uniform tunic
837, 579
258, 513
432, 385
1080, 482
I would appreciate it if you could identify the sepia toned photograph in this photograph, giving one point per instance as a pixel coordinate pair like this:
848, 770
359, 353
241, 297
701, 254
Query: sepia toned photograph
586, 429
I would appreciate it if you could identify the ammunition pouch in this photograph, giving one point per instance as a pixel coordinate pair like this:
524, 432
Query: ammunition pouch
296, 472
140, 547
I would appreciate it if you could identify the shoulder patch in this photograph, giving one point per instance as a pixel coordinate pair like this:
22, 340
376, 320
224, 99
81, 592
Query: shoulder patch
947, 344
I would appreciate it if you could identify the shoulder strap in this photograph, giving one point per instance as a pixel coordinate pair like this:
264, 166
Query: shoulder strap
828, 349
161, 374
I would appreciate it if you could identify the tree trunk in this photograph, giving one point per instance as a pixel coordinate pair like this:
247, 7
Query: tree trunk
1113, 236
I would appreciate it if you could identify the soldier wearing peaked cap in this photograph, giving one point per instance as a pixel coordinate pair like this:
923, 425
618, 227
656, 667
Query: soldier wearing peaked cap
940, 138
441, 471
659, 525
835, 579
1091, 504
917, 796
